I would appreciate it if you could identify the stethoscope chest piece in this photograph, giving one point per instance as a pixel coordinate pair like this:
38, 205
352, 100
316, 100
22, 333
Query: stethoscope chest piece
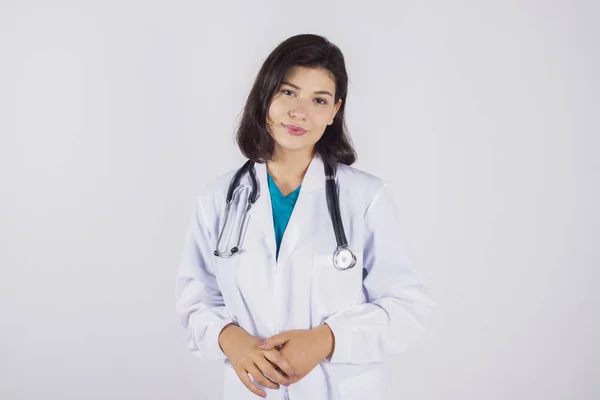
343, 258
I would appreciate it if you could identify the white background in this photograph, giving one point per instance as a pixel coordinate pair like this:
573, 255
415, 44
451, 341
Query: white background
482, 116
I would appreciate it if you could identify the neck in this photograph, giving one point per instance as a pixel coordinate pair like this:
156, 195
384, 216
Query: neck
289, 165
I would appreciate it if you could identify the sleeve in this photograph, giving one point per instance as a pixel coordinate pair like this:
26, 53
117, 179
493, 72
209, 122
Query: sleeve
398, 304
199, 302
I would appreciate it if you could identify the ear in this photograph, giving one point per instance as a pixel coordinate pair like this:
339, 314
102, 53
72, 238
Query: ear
336, 108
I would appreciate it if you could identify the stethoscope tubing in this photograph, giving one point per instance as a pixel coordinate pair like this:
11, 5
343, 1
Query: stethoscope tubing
332, 202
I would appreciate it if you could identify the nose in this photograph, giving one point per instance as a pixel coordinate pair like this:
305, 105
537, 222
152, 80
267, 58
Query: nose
298, 111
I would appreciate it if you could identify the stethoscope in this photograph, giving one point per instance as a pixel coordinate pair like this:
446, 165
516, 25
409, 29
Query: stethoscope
343, 258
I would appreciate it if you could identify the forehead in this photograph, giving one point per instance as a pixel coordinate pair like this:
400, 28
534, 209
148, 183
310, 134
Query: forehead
311, 79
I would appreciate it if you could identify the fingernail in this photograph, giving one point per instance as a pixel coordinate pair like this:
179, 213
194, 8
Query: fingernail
263, 394
293, 375
262, 344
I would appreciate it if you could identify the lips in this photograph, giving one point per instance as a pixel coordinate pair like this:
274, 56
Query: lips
294, 130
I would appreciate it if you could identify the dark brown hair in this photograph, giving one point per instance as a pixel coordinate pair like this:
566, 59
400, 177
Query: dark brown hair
306, 50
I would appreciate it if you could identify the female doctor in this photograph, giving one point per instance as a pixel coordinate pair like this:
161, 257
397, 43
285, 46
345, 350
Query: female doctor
298, 300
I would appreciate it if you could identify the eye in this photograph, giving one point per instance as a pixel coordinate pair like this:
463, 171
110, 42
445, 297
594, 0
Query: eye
321, 101
287, 92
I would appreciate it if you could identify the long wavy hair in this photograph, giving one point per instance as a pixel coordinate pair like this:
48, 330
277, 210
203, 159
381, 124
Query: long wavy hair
305, 50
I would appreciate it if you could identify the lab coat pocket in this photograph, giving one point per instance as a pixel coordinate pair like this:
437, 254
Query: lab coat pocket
335, 290
373, 384
227, 271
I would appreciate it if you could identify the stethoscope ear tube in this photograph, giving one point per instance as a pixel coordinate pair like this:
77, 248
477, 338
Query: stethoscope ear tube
333, 202
236, 179
247, 167
338, 215
254, 192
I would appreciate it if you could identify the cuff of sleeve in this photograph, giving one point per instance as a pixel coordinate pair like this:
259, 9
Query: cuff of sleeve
342, 340
207, 346
217, 328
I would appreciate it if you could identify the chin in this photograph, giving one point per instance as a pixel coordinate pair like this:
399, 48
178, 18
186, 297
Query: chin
293, 143
285, 146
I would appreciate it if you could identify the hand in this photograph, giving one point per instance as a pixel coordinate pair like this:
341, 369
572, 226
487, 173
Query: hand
303, 349
246, 357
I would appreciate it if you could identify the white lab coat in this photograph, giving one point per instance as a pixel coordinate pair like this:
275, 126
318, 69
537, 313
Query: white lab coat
371, 319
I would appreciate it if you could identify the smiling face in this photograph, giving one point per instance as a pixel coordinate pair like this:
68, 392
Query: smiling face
301, 109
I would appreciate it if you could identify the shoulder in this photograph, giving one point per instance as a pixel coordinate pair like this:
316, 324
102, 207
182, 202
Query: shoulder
358, 175
358, 183
215, 191
360, 179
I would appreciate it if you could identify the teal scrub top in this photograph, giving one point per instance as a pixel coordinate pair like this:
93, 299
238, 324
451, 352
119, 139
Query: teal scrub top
282, 207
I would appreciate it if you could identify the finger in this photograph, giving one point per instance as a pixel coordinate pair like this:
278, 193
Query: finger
276, 358
243, 375
276, 340
277, 368
260, 378
267, 369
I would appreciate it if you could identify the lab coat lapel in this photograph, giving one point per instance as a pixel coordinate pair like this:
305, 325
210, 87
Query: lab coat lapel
262, 212
301, 218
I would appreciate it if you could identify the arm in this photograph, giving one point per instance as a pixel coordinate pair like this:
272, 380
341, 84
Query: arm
202, 311
398, 305
198, 299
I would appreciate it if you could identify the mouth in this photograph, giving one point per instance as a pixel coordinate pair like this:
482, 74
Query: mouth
294, 130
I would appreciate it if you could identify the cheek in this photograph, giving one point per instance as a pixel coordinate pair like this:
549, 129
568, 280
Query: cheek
276, 109
271, 118
322, 117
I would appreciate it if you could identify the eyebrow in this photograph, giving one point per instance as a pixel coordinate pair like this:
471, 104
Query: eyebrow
324, 92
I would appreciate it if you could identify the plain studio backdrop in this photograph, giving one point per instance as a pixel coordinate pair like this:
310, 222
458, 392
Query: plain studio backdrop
482, 117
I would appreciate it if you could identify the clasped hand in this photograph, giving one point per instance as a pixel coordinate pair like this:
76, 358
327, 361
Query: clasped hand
281, 359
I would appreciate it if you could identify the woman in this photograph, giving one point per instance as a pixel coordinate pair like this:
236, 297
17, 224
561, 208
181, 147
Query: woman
286, 321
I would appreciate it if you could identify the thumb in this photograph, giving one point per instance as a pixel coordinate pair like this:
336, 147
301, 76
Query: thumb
274, 341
